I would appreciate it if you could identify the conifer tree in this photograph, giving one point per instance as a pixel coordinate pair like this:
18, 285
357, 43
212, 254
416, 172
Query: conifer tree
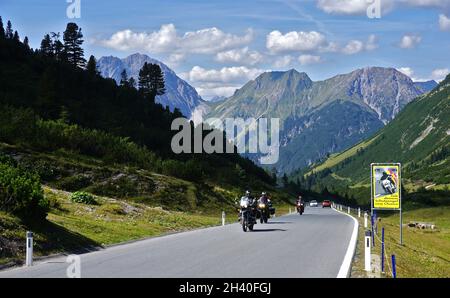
73, 39
2, 29
151, 81
124, 78
26, 42
92, 66
9, 32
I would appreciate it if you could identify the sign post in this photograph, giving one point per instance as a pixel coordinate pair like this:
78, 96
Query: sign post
386, 189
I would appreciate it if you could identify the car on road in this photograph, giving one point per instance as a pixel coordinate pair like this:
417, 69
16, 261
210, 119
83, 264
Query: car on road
326, 203
313, 203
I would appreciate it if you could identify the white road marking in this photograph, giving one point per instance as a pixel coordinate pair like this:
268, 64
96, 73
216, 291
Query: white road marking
344, 271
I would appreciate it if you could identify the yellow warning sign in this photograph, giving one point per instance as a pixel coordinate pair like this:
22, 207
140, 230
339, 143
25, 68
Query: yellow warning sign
386, 186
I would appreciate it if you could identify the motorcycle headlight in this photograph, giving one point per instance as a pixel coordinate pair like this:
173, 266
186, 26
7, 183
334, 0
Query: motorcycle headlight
262, 206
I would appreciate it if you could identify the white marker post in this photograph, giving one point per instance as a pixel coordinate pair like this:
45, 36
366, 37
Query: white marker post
365, 219
290, 210
29, 251
223, 218
359, 212
367, 256
348, 211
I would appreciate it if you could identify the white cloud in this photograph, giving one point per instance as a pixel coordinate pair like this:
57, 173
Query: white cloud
241, 56
407, 71
410, 41
283, 61
167, 40
208, 93
219, 82
357, 46
353, 47
276, 42
223, 75
309, 59
359, 7
439, 74
444, 22
426, 3
351, 7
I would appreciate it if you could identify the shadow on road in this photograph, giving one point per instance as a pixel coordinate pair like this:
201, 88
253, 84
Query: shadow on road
278, 222
269, 230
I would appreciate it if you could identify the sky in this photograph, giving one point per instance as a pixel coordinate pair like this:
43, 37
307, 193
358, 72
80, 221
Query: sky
219, 45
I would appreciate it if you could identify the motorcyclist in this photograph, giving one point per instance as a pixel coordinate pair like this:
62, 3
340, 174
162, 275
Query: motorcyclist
264, 198
299, 204
387, 176
248, 196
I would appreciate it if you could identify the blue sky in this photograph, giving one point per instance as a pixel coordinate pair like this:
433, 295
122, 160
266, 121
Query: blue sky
219, 45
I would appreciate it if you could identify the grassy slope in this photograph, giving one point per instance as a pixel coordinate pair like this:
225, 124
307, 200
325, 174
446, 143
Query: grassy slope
425, 253
133, 204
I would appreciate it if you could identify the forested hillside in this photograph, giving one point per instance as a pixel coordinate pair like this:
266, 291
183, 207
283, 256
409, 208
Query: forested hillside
419, 138
52, 87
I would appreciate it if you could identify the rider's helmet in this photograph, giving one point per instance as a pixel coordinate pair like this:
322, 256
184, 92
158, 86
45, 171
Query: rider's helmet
263, 193
247, 193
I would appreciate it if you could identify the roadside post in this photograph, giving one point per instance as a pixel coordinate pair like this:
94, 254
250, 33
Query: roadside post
372, 228
290, 210
29, 251
223, 218
365, 219
386, 189
382, 249
394, 270
348, 210
367, 256
375, 222
359, 212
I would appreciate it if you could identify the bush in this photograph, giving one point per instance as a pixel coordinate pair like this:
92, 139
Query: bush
21, 192
83, 198
74, 183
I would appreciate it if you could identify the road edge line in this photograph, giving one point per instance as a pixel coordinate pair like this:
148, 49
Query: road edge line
344, 271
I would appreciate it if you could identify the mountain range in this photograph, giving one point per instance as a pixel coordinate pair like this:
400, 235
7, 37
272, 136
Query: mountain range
179, 94
323, 117
418, 138
317, 118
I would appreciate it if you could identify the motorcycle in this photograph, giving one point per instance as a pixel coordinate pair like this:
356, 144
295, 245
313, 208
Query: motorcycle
247, 213
264, 211
300, 208
388, 186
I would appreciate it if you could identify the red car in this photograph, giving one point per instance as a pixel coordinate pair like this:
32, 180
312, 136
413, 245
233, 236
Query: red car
326, 203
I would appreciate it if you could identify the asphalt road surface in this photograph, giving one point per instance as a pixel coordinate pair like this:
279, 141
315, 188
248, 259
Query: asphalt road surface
311, 245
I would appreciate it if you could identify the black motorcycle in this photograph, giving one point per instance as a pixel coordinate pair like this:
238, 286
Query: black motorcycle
247, 214
300, 208
264, 213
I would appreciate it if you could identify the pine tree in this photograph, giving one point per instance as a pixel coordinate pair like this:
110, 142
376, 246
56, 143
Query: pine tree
9, 32
46, 46
58, 49
285, 180
124, 78
26, 42
92, 66
151, 81
132, 82
16, 36
2, 29
57, 46
73, 39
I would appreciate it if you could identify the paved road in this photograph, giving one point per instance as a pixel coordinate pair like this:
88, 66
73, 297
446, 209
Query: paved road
311, 245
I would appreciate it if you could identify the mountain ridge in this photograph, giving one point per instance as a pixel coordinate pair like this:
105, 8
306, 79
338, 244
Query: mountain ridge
375, 95
179, 94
